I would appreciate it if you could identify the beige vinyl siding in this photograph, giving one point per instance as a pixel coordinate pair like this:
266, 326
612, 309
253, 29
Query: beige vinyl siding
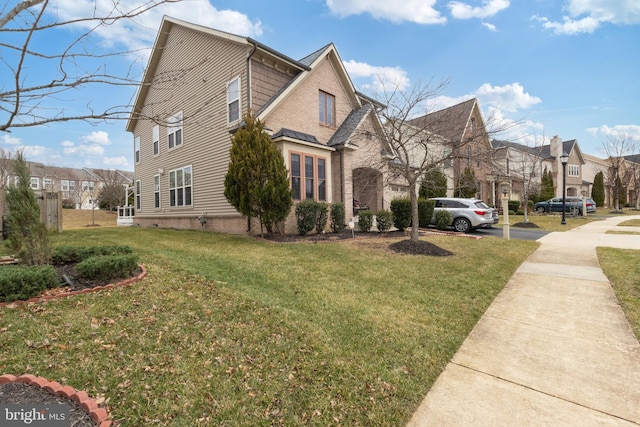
200, 67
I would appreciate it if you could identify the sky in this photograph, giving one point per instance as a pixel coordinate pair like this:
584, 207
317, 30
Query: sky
548, 67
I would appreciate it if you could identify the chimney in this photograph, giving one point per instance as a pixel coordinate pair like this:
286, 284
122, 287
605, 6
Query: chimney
556, 147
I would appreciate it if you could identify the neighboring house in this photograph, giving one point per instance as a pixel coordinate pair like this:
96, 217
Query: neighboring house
576, 186
467, 144
517, 163
198, 84
519, 168
79, 187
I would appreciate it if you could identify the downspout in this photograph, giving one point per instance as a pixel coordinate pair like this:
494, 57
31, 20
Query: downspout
255, 47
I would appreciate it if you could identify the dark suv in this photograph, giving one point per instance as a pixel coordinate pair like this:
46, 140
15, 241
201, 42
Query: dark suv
571, 204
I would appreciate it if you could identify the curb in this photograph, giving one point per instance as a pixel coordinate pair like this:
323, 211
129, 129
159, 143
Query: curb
40, 299
99, 415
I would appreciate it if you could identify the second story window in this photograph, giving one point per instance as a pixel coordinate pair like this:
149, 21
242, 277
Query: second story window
233, 100
156, 140
573, 170
35, 183
174, 130
327, 109
137, 149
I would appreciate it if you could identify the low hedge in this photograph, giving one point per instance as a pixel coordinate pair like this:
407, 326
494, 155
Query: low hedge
106, 267
64, 255
18, 282
384, 220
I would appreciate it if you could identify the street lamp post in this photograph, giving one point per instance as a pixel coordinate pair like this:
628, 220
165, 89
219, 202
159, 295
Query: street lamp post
564, 158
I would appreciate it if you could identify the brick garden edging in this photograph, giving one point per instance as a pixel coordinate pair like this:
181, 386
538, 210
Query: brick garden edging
44, 298
99, 415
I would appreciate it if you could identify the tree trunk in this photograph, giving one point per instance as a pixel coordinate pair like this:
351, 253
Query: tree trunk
415, 219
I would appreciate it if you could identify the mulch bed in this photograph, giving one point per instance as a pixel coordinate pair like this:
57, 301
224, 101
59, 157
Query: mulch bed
405, 246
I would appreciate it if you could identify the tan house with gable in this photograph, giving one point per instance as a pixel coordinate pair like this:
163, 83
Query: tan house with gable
198, 84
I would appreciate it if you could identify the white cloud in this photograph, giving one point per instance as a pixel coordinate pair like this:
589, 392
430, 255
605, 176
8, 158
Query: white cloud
509, 98
585, 16
604, 131
31, 151
67, 143
417, 11
120, 161
462, 10
84, 150
10, 140
100, 137
140, 31
491, 27
379, 78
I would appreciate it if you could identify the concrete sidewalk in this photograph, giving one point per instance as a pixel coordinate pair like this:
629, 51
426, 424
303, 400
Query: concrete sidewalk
553, 349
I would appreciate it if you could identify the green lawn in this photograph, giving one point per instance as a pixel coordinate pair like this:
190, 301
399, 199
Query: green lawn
622, 268
231, 330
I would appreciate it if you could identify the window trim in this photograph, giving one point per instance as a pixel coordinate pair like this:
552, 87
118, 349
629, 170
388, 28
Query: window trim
323, 109
314, 178
156, 140
173, 199
136, 149
138, 195
157, 198
36, 180
175, 127
233, 99
575, 169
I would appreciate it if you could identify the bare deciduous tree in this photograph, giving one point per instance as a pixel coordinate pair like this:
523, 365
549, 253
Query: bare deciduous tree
422, 138
31, 99
616, 148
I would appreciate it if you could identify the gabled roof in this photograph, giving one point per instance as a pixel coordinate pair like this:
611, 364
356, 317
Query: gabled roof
635, 158
349, 126
534, 151
160, 43
450, 122
567, 147
311, 62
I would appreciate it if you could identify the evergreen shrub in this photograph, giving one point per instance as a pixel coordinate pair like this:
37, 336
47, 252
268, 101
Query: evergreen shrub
443, 220
365, 221
337, 217
384, 220
401, 210
19, 282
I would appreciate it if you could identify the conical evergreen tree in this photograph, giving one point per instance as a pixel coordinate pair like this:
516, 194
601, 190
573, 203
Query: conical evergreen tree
597, 192
256, 183
467, 186
28, 237
434, 184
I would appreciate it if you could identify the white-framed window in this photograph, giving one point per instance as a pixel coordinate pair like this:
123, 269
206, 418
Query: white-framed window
64, 185
34, 183
180, 187
174, 130
327, 105
88, 185
156, 191
573, 170
47, 181
136, 143
233, 100
308, 177
138, 194
156, 140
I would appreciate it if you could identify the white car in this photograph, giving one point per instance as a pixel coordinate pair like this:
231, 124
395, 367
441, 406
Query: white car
466, 214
